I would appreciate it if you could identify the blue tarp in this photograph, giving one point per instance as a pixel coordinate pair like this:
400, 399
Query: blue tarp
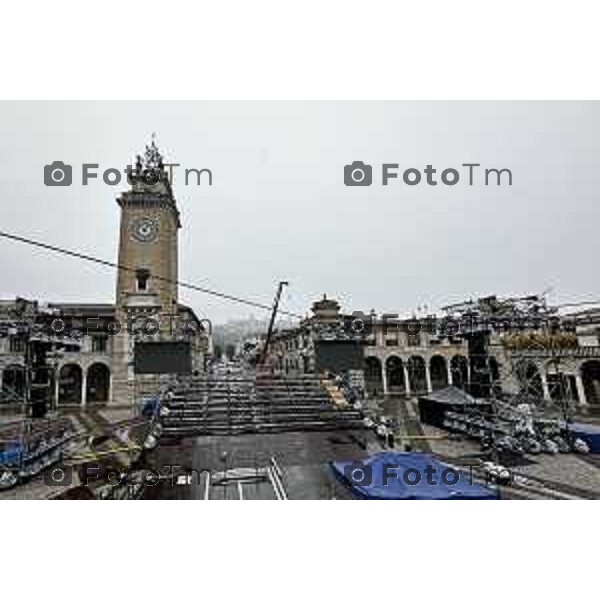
10, 453
151, 406
409, 476
590, 434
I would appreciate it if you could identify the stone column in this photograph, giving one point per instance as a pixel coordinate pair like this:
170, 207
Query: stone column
428, 378
580, 389
406, 380
384, 378
449, 371
545, 388
468, 390
56, 386
83, 387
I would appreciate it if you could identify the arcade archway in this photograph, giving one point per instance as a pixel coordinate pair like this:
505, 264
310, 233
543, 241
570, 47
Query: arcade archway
98, 384
590, 375
459, 366
70, 379
373, 376
439, 372
394, 369
417, 374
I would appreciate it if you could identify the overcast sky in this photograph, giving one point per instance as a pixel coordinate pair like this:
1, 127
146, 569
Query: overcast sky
278, 207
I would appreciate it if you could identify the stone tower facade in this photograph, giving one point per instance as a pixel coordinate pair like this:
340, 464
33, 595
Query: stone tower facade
146, 293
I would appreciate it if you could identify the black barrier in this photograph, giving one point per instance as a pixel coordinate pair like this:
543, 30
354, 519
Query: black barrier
161, 358
338, 356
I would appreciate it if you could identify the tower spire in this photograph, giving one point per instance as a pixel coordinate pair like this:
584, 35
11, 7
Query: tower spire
152, 157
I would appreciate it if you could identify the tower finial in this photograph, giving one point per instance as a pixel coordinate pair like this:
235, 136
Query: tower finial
153, 158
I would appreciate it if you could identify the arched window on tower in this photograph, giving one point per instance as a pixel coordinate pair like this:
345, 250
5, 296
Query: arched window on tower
141, 277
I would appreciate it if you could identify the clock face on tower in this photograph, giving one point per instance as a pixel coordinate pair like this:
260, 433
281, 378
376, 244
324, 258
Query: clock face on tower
144, 229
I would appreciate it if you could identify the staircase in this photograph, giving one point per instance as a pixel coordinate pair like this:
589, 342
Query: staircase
257, 403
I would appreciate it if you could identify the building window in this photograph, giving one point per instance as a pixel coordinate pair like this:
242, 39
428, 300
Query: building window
17, 345
99, 343
413, 340
141, 278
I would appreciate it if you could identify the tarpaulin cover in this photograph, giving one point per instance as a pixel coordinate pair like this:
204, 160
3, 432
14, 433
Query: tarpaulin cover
590, 434
402, 485
151, 406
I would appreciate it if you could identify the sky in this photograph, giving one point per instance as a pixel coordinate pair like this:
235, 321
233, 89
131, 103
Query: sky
278, 208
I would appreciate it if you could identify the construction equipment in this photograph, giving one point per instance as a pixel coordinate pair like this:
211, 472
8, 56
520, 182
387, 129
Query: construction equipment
272, 321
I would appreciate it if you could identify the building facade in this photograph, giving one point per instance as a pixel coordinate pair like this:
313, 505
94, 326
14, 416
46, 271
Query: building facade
96, 366
506, 354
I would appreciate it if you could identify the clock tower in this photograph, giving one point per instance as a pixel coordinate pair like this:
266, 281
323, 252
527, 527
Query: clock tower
147, 275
